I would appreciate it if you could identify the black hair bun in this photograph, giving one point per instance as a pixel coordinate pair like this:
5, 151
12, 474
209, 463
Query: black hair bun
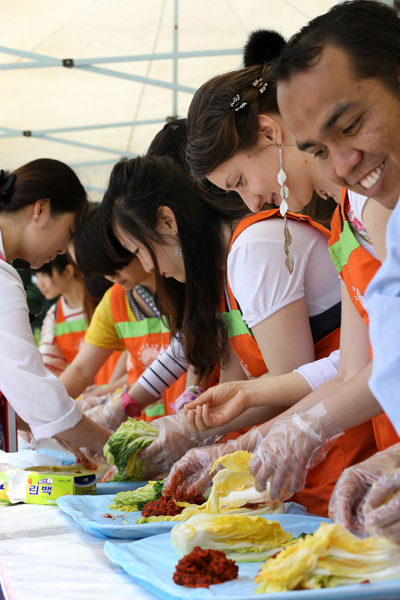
263, 46
171, 141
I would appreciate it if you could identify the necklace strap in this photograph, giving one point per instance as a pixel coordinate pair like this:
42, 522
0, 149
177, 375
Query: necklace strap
148, 299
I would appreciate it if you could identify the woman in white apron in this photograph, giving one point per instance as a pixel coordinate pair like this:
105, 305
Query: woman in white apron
41, 205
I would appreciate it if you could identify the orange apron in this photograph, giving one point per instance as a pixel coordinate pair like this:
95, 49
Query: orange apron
69, 335
144, 340
357, 267
357, 444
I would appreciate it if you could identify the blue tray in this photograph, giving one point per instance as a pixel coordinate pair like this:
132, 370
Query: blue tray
113, 487
138, 560
89, 511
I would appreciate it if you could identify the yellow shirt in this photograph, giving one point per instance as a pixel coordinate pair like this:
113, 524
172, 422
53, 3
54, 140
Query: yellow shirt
101, 331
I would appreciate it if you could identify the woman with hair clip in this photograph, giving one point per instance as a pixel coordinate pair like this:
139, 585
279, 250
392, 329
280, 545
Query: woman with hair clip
41, 205
160, 216
238, 140
126, 318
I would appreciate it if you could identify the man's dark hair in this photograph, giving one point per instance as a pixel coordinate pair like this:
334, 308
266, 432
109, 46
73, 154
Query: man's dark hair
368, 31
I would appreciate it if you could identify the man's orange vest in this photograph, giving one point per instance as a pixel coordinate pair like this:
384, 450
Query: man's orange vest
144, 340
357, 444
69, 335
357, 267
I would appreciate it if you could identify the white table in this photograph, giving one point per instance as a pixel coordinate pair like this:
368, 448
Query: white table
45, 554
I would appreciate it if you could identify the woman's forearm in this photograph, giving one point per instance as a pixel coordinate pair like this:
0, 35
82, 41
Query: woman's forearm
349, 403
276, 390
75, 380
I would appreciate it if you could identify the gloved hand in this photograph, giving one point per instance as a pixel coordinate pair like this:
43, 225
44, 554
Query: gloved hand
362, 488
89, 459
294, 445
85, 434
90, 401
174, 439
190, 476
381, 510
110, 415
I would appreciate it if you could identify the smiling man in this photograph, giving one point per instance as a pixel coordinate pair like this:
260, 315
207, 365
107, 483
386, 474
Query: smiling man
338, 83
339, 92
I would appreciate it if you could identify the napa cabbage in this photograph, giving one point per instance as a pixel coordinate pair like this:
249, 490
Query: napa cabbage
134, 500
243, 538
125, 444
330, 557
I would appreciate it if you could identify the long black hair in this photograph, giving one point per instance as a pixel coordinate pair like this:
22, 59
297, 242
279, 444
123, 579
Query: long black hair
95, 252
136, 190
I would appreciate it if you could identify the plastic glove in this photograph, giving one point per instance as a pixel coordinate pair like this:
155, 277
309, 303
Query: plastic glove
362, 488
110, 415
190, 476
90, 460
381, 510
294, 445
90, 401
174, 439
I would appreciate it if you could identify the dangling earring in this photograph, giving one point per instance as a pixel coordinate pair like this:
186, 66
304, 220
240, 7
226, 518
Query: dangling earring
178, 249
281, 178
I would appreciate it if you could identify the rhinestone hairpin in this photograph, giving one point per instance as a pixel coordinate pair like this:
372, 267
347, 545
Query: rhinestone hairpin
237, 104
261, 86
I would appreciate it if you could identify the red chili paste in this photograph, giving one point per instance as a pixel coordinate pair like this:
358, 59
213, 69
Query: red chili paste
181, 497
163, 506
202, 568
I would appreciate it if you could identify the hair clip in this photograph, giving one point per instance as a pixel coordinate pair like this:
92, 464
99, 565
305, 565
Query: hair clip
6, 181
261, 86
236, 104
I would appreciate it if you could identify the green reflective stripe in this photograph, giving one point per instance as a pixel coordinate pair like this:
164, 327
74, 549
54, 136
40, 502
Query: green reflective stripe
134, 329
70, 327
155, 411
235, 324
164, 328
341, 250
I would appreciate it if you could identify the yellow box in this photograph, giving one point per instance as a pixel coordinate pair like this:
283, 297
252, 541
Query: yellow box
44, 488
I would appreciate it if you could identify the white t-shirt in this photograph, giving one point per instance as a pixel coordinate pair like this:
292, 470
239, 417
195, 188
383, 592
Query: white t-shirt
260, 281
35, 394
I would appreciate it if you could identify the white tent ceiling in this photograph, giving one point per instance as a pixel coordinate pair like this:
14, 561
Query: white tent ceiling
89, 116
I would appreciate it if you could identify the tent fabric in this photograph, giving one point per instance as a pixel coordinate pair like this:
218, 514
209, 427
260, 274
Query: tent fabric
76, 77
